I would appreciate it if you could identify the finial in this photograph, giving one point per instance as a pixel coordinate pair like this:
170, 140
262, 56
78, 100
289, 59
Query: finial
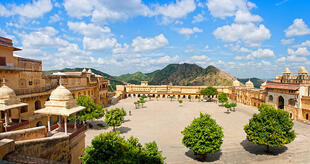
60, 83
3, 81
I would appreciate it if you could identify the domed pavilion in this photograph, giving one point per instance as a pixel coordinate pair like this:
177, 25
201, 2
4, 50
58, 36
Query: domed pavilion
61, 103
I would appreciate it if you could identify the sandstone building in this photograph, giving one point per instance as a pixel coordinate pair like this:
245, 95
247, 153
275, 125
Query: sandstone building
33, 87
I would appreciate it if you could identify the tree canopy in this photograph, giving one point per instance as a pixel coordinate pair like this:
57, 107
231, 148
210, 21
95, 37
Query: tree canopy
209, 91
115, 117
203, 135
91, 111
271, 127
223, 98
111, 148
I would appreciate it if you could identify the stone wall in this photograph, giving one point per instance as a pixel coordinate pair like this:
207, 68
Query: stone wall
25, 134
53, 148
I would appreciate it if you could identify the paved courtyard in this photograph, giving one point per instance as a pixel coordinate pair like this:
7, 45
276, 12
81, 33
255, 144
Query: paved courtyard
162, 121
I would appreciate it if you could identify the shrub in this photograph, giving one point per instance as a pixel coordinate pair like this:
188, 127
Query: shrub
203, 136
271, 127
110, 147
223, 98
114, 117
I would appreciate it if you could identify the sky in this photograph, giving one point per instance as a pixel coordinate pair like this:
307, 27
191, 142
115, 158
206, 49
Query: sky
256, 38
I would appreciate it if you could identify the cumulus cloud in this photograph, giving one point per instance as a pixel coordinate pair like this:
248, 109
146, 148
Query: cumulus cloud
246, 16
258, 54
301, 51
249, 33
189, 31
202, 60
30, 10
178, 9
287, 41
298, 28
304, 44
140, 44
95, 37
198, 18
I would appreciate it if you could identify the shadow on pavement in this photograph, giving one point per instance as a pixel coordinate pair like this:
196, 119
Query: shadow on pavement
260, 149
210, 157
123, 129
98, 125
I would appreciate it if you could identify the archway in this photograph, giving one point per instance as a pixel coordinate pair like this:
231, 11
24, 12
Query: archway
270, 98
307, 116
39, 123
281, 102
37, 105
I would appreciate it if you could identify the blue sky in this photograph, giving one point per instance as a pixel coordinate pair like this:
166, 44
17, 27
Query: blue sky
256, 38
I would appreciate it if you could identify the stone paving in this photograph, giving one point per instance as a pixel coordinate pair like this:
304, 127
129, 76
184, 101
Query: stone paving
162, 121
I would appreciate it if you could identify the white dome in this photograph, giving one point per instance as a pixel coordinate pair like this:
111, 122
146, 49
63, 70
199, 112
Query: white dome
84, 70
61, 93
6, 92
249, 84
236, 83
89, 71
302, 70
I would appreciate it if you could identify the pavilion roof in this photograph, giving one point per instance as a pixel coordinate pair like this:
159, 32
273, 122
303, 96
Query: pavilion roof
60, 111
4, 107
285, 86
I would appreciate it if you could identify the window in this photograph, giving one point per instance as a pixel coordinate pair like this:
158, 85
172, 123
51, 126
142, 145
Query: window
37, 105
24, 109
30, 82
2, 61
22, 83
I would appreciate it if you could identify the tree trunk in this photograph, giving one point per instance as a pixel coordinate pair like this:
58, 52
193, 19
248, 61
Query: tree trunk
268, 149
113, 128
202, 157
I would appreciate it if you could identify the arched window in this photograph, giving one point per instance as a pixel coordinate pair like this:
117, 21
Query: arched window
270, 98
39, 123
280, 102
37, 105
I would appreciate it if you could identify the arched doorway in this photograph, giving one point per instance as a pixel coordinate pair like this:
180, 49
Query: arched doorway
280, 102
39, 123
37, 105
307, 116
270, 98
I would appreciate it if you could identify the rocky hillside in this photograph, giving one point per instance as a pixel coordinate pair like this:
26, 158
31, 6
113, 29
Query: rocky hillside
257, 82
182, 74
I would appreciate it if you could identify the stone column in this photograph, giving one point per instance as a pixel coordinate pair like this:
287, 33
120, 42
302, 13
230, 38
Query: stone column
65, 126
6, 119
19, 116
48, 123
74, 120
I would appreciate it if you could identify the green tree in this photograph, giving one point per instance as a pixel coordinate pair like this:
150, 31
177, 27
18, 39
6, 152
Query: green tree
203, 136
142, 102
111, 148
190, 97
136, 104
271, 127
233, 105
171, 97
149, 96
209, 91
223, 98
227, 106
92, 111
114, 117
180, 102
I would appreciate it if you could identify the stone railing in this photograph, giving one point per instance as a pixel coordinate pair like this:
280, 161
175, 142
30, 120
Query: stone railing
35, 90
17, 125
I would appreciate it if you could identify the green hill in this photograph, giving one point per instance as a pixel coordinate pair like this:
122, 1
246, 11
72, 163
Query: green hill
181, 74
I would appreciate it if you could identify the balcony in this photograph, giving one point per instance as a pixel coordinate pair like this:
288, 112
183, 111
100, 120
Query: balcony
35, 90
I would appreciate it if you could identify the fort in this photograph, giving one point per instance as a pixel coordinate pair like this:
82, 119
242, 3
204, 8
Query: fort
35, 106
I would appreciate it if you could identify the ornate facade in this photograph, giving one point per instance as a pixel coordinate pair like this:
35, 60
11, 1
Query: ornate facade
25, 77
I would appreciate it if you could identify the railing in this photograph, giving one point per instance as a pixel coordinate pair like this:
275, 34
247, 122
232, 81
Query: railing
16, 125
35, 90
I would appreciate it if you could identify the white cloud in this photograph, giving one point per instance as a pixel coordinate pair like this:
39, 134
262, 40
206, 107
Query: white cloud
225, 8
43, 38
54, 18
248, 33
296, 59
30, 10
244, 50
304, 44
281, 59
79, 8
179, 9
298, 28
246, 16
287, 41
140, 44
189, 31
258, 54
202, 60
301, 51
198, 18
95, 37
